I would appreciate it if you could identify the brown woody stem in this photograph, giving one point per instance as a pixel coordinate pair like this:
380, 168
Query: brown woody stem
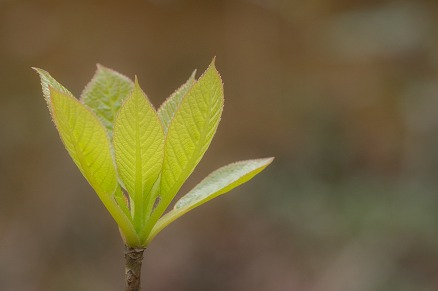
133, 260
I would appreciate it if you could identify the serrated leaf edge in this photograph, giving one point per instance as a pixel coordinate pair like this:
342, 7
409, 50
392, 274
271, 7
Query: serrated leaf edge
124, 221
101, 68
176, 213
145, 196
158, 211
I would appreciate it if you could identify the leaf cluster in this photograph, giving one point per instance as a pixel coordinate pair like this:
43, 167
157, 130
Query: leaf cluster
137, 158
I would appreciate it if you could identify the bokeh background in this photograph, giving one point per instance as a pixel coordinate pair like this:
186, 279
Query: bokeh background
343, 93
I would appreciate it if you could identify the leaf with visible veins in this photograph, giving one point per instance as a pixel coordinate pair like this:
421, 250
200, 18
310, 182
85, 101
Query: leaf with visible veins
105, 94
138, 148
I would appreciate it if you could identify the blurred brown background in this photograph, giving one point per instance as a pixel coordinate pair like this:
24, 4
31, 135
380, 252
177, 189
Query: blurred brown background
343, 93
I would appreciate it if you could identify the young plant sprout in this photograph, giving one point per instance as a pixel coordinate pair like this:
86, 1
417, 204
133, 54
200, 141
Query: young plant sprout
137, 158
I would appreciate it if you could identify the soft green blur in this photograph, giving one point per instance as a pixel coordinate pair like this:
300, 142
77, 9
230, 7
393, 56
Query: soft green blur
342, 93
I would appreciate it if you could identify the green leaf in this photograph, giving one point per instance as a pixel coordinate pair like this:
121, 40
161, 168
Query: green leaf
87, 143
138, 148
48, 81
189, 135
217, 183
170, 106
105, 94
122, 201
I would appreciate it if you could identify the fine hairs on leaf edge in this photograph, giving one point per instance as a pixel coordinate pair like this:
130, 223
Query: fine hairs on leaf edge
121, 146
168, 195
179, 210
195, 120
99, 69
108, 199
204, 145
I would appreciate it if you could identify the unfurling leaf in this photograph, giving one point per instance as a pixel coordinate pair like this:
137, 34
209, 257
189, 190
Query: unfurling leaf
217, 183
137, 158
138, 148
87, 142
105, 94
170, 106
48, 82
190, 133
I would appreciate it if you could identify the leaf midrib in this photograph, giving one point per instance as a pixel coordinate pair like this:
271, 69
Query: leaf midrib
203, 135
171, 193
138, 213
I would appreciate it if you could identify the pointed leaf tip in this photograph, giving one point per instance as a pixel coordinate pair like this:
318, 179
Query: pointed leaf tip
48, 81
188, 137
222, 181
170, 106
138, 147
190, 132
105, 93
217, 183
86, 141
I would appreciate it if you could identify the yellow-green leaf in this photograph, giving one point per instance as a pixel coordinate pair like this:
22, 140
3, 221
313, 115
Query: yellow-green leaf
189, 135
105, 94
48, 81
138, 148
217, 183
87, 143
170, 106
